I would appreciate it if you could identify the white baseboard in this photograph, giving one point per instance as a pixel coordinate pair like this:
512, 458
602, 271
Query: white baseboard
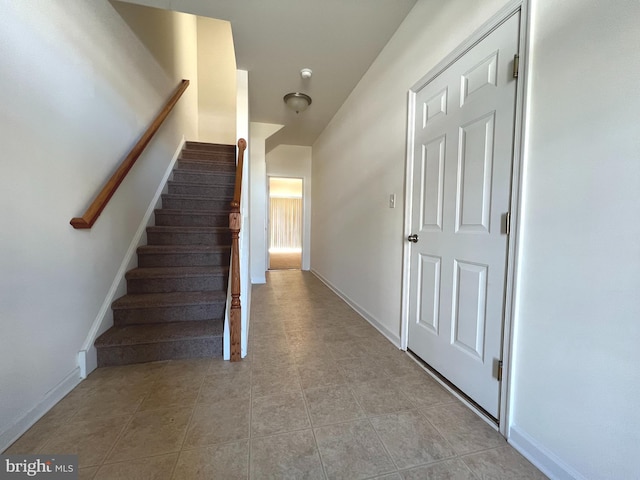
393, 338
87, 357
543, 459
53, 396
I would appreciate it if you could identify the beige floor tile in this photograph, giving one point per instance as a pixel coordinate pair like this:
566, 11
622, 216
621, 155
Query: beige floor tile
319, 374
274, 379
362, 369
423, 390
464, 430
32, 441
90, 439
289, 456
153, 432
379, 396
448, 470
87, 473
411, 439
221, 387
179, 391
352, 451
317, 354
151, 468
225, 462
284, 357
332, 404
138, 374
395, 365
278, 414
223, 367
192, 367
302, 335
502, 464
224, 421
109, 400
346, 349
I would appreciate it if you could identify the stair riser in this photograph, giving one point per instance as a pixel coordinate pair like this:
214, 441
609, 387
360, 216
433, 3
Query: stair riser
139, 316
203, 283
212, 239
125, 355
184, 260
209, 147
189, 176
206, 166
199, 203
224, 157
219, 191
194, 220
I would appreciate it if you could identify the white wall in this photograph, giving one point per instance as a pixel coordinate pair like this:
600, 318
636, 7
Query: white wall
577, 375
358, 161
295, 161
575, 371
258, 133
217, 81
242, 129
77, 89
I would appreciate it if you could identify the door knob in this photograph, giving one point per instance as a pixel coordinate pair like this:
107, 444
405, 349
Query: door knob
413, 238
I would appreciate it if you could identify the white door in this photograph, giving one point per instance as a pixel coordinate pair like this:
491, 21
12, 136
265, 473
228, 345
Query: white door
463, 150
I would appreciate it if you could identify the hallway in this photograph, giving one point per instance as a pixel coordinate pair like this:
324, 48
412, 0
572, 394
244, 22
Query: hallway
322, 395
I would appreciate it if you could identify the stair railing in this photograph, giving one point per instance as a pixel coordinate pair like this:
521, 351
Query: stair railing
100, 202
235, 220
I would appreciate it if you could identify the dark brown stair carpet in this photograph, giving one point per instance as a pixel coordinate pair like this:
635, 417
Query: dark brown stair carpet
176, 297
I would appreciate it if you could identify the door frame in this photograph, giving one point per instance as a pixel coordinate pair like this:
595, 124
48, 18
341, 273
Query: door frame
268, 222
494, 22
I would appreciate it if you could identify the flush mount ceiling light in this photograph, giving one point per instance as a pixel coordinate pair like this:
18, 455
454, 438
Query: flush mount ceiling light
298, 102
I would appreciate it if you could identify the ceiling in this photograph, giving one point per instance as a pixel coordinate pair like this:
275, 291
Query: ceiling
275, 39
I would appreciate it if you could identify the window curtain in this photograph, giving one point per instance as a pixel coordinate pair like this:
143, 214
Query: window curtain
285, 223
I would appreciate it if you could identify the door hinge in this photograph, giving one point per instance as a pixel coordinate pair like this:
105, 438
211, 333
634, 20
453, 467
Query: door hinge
516, 65
499, 370
507, 223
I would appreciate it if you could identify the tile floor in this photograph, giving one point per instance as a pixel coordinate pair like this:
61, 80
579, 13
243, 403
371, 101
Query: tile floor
322, 396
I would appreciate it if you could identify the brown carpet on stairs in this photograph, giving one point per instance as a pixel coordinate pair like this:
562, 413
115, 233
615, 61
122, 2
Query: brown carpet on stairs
175, 302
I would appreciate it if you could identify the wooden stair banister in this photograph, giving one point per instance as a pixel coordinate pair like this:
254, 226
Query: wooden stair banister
235, 221
100, 202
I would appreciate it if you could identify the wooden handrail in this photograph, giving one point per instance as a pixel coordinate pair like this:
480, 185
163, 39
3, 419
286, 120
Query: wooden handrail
97, 206
235, 221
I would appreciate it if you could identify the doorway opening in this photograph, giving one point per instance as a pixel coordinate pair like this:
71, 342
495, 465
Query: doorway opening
285, 223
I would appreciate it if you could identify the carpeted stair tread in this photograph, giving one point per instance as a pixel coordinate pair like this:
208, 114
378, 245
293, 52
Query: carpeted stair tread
196, 197
172, 229
175, 272
200, 177
186, 249
209, 162
210, 147
203, 190
159, 333
178, 211
227, 157
206, 165
194, 255
172, 299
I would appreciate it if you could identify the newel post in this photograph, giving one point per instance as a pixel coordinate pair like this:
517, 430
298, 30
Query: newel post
236, 308
235, 220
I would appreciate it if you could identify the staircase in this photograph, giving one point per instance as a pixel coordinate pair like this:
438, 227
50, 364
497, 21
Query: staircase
175, 301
